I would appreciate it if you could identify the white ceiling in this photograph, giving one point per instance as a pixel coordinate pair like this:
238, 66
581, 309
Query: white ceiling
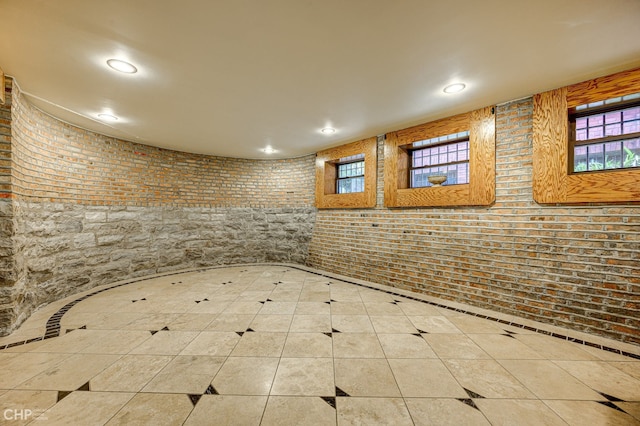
229, 77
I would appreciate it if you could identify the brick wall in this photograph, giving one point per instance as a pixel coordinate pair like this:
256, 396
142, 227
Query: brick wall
575, 267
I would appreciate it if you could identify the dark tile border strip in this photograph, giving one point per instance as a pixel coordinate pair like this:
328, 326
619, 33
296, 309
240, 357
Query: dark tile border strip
53, 324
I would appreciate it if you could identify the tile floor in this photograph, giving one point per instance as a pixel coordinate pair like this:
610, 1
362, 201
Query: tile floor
276, 345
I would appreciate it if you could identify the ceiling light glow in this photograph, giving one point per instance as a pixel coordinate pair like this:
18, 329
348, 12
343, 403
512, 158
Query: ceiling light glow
122, 66
107, 117
269, 150
328, 130
454, 88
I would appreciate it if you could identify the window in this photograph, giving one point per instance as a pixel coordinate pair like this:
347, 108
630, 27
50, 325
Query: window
346, 175
350, 174
461, 147
605, 135
445, 155
586, 141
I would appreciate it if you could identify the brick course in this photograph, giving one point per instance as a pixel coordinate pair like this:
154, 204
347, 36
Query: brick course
575, 267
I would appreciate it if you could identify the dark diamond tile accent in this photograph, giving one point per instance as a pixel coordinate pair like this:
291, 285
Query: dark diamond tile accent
194, 399
422, 331
153, 332
611, 398
133, 301
263, 302
144, 298
333, 330
211, 391
165, 328
84, 387
240, 333
69, 330
84, 327
333, 300
472, 394
469, 402
205, 300
269, 300
198, 301
508, 335
250, 330
328, 334
417, 335
394, 302
62, 395
331, 400
611, 405
340, 392
328, 303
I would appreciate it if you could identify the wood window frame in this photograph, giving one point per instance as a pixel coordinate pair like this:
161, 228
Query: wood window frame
552, 181
326, 176
481, 189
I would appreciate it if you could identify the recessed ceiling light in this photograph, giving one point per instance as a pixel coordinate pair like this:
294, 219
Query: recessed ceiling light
122, 66
107, 117
328, 130
268, 150
454, 88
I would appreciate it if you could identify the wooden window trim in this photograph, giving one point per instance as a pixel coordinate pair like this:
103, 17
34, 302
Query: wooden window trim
481, 189
552, 182
326, 175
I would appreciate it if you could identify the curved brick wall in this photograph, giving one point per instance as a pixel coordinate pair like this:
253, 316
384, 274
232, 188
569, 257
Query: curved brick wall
89, 209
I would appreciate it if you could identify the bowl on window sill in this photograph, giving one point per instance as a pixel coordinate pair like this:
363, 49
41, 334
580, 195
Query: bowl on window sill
437, 180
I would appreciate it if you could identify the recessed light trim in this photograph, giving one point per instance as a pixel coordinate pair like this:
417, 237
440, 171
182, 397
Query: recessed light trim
107, 117
328, 131
122, 66
454, 88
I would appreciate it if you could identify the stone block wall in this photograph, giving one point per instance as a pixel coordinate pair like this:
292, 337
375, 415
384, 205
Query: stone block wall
573, 266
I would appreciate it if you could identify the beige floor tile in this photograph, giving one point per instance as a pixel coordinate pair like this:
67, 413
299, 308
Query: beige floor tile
604, 355
308, 345
348, 308
152, 321
434, 324
192, 322
19, 407
246, 308
73, 342
230, 322
260, 344
278, 308
473, 325
154, 408
71, 373
352, 323
356, 345
186, 374
311, 323
405, 346
375, 296
271, 323
602, 377
589, 413
632, 368
392, 324
166, 343
455, 346
298, 411
372, 411
314, 295
209, 307
130, 373
500, 346
228, 410
19, 367
424, 378
366, 377
523, 412
555, 349
433, 411
412, 308
548, 381
246, 376
342, 294
304, 377
212, 343
312, 308
85, 408
382, 309
487, 378
633, 408
116, 342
